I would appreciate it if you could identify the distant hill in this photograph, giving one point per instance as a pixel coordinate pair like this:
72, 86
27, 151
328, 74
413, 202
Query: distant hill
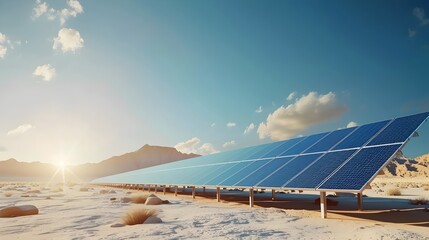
408, 167
13, 170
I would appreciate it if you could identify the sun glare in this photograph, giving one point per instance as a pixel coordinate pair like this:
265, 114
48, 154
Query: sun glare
61, 164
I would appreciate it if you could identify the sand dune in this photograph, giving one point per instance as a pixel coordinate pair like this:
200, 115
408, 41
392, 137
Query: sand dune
72, 214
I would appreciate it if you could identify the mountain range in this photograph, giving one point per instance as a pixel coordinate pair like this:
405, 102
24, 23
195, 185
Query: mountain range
146, 156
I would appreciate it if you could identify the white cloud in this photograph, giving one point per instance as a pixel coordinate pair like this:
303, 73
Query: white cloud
207, 148
249, 128
42, 8
20, 130
3, 48
75, 9
68, 40
259, 110
193, 146
419, 13
305, 112
351, 124
411, 33
228, 144
46, 72
231, 124
291, 96
213, 124
2, 38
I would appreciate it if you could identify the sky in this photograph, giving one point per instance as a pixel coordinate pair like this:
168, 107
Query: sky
81, 81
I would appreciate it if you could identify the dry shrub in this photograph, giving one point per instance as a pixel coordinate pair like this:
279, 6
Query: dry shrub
137, 216
426, 188
393, 192
419, 201
8, 194
139, 197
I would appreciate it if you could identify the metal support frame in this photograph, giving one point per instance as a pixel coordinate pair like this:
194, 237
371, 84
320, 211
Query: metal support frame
251, 197
175, 190
164, 189
193, 192
273, 194
359, 201
323, 205
204, 189
218, 194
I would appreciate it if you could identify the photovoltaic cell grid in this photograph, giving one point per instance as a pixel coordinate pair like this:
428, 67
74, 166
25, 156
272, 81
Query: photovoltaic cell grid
344, 159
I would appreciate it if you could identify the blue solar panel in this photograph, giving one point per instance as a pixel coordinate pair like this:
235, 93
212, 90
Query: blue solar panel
361, 168
400, 129
338, 160
283, 147
219, 178
207, 177
322, 168
230, 181
262, 172
362, 135
330, 140
304, 144
266, 148
289, 170
202, 173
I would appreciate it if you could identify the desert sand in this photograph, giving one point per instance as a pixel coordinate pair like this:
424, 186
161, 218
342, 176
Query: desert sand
69, 212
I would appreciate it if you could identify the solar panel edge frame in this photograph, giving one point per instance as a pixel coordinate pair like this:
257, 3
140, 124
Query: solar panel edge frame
317, 188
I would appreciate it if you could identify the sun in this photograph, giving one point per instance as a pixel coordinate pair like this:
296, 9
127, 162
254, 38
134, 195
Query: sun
61, 164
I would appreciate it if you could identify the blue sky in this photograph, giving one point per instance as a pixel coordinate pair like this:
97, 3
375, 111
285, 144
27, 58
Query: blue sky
85, 80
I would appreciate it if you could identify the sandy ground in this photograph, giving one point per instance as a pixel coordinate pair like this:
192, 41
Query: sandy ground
72, 214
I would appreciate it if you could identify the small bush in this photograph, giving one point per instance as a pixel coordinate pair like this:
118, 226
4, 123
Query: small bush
419, 201
393, 192
139, 197
8, 194
137, 216
426, 188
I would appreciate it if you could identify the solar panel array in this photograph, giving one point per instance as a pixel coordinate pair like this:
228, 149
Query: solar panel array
345, 159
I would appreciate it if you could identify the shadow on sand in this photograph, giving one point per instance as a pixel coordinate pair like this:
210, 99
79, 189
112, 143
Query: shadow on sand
378, 209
